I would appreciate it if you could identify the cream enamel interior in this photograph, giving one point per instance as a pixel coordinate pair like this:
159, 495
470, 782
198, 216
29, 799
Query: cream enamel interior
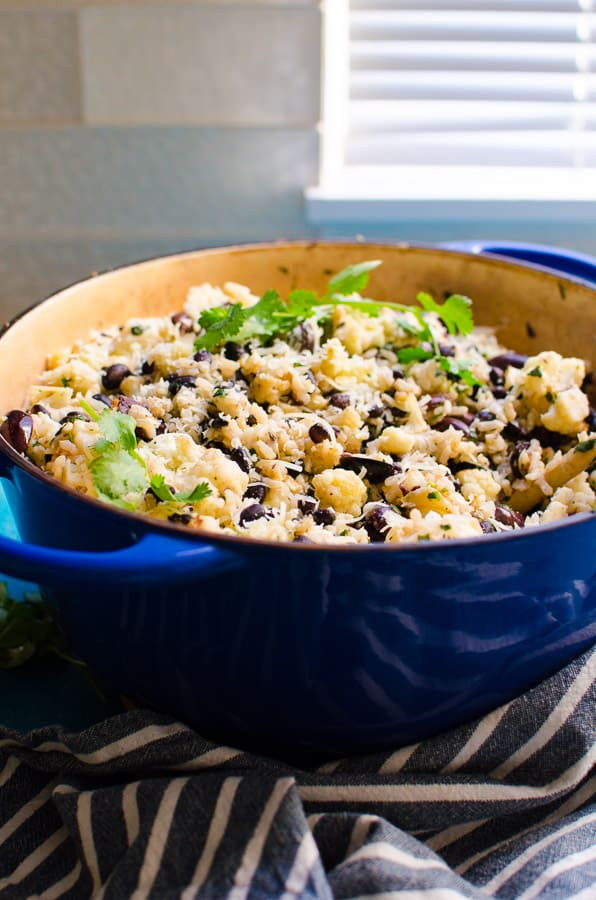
530, 309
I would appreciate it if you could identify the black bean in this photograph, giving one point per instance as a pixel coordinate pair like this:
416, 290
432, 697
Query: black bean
74, 414
233, 351
161, 428
499, 393
496, 377
452, 422
519, 448
217, 422
487, 527
319, 433
38, 408
507, 516
302, 539
202, 356
485, 415
101, 398
398, 414
446, 350
375, 412
589, 387
504, 360
305, 336
114, 376
17, 429
376, 524
180, 518
340, 401
513, 432
324, 516
251, 420
124, 404
307, 505
454, 466
397, 373
183, 321
591, 420
179, 381
437, 400
148, 368
256, 492
141, 434
252, 513
240, 376
241, 457
377, 470
549, 438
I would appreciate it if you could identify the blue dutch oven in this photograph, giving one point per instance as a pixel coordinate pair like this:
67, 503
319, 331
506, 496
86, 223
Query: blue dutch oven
334, 649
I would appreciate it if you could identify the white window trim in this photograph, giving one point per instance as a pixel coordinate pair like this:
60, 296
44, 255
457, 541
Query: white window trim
420, 193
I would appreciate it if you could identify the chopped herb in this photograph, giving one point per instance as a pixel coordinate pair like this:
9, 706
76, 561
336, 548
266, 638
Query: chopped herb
116, 472
66, 382
445, 527
585, 446
459, 368
345, 532
550, 396
161, 490
353, 279
117, 469
271, 316
414, 354
455, 312
536, 372
423, 537
137, 329
433, 495
220, 391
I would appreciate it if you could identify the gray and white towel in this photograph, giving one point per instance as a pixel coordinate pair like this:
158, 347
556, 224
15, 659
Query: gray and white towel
141, 806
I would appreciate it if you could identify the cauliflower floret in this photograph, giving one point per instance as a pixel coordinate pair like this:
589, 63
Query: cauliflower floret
340, 489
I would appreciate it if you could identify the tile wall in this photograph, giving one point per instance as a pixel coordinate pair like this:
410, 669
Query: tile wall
128, 129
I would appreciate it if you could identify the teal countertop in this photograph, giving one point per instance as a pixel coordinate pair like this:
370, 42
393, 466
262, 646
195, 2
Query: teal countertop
47, 691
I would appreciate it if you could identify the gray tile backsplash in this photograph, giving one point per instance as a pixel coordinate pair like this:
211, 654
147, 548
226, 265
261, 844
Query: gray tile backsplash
128, 129
39, 66
187, 181
250, 65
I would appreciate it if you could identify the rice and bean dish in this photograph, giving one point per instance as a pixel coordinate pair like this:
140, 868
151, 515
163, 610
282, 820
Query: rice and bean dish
328, 419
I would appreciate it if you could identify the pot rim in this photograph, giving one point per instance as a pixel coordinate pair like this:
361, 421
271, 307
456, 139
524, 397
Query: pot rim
233, 540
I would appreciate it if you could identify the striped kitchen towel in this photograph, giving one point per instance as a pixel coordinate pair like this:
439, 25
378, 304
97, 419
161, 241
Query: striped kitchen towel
141, 806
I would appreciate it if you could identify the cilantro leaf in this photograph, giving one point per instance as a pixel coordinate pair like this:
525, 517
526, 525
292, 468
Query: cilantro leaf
117, 472
459, 368
220, 324
161, 489
353, 279
118, 427
454, 312
370, 307
414, 354
26, 630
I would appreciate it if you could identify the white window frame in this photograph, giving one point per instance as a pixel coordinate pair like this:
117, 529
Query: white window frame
421, 193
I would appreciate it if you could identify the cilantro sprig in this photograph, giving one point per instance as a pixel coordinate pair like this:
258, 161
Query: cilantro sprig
271, 316
117, 469
164, 493
27, 630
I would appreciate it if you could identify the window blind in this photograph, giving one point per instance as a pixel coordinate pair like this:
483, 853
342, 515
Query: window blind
471, 83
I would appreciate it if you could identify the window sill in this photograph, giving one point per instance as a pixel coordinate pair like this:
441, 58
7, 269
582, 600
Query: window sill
423, 193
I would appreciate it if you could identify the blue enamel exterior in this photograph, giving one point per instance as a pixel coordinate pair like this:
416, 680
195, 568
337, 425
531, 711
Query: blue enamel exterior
337, 650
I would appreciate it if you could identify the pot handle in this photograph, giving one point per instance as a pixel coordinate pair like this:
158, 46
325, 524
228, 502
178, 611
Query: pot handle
152, 558
568, 262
